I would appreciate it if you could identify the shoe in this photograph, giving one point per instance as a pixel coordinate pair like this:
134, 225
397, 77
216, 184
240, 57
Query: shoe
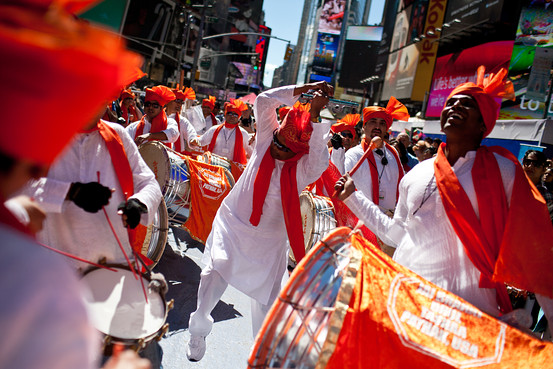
196, 348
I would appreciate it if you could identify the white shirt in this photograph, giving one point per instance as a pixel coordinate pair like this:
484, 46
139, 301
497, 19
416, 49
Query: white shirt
224, 146
253, 259
338, 158
172, 130
42, 314
187, 131
388, 175
70, 228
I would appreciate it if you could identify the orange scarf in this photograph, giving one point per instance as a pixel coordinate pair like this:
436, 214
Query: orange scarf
239, 155
374, 172
289, 197
177, 146
494, 242
125, 112
159, 123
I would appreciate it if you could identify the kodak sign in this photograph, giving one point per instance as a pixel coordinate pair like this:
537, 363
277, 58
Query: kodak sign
428, 48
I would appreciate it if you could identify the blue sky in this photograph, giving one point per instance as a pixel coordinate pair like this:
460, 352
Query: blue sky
283, 17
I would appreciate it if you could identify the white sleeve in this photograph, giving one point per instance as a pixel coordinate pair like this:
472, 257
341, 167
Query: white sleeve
315, 163
205, 139
246, 142
265, 109
49, 193
338, 157
188, 131
172, 130
131, 129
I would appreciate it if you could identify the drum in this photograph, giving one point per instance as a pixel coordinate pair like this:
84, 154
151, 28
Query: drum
300, 322
220, 161
118, 309
317, 214
171, 171
155, 237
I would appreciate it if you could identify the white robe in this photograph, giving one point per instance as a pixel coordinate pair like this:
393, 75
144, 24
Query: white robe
224, 146
186, 133
253, 259
70, 228
388, 175
172, 130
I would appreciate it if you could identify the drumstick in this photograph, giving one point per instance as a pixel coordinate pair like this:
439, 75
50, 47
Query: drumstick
376, 142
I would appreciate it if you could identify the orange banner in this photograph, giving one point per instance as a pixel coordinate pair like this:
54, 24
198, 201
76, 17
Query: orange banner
397, 319
208, 187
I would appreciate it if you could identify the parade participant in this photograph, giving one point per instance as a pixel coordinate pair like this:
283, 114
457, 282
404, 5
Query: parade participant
344, 138
229, 139
129, 111
49, 55
479, 204
187, 132
155, 125
208, 105
378, 177
247, 246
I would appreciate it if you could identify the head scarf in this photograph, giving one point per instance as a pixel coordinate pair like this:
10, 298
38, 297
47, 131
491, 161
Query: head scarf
296, 130
126, 94
485, 91
48, 51
347, 123
210, 103
161, 94
187, 94
235, 106
394, 110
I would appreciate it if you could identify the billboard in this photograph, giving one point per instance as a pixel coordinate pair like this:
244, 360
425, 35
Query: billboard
325, 54
364, 33
470, 12
360, 55
250, 74
454, 69
332, 15
534, 33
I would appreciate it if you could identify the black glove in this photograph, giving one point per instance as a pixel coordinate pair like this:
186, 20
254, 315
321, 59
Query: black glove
91, 196
158, 283
133, 209
336, 141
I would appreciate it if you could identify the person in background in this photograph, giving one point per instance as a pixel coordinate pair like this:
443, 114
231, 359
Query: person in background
208, 107
404, 139
402, 152
129, 110
187, 133
344, 137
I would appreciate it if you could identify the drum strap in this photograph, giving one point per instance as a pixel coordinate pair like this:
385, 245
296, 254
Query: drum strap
159, 123
239, 154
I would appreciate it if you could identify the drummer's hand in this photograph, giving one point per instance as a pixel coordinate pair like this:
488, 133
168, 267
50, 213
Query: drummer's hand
194, 142
324, 87
131, 212
128, 359
142, 138
158, 283
317, 104
90, 197
252, 139
344, 187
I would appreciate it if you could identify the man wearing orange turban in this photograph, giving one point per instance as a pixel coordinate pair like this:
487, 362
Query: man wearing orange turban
48, 55
378, 177
129, 111
344, 137
468, 219
155, 125
229, 139
247, 245
187, 131
207, 109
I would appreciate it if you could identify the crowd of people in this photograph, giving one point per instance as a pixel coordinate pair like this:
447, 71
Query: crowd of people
89, 185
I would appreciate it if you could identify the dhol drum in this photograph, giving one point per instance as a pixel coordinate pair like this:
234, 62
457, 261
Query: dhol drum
220, 161
317, 214
118, 309
171, 171
299, 324
155, 235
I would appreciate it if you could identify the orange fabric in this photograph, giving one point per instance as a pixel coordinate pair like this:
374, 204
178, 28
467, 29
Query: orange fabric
347, 123
47, 56
158, 124
209, 102
208, 187
374, 172
161, 94
176, 145
236, 106
296, 130
493, 242
283, 111
239, 154
394, 110
127, 94
396, 319
187, 94
484, 92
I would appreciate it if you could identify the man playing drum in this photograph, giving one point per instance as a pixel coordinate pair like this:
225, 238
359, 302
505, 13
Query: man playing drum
155, 125
468, 219
247, 245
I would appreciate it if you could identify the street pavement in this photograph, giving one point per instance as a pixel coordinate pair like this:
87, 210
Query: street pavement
230, 341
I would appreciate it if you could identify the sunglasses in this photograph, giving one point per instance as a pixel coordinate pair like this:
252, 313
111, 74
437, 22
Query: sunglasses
384, 161
152, 104
535, 163
279, 146
232, 113
179, 101
346, 134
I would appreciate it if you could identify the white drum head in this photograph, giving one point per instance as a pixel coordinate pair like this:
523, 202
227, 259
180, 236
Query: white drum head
307, 209
117, 307
156, 157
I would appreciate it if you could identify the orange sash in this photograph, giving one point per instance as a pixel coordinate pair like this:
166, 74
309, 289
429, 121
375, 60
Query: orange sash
159, 123
239, 154
177, 146
374, 172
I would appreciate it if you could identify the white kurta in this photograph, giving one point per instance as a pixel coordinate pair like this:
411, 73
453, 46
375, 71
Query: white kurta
42, 313
187, 131
172, 130
224, 146
338, 158
426, 241
70, 228
253, 259
388, 176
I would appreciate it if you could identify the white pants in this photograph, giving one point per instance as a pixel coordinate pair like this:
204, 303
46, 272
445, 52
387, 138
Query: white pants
211, 289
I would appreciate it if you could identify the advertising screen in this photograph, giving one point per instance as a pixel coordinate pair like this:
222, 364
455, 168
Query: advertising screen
332, 15
364, 33
325, 53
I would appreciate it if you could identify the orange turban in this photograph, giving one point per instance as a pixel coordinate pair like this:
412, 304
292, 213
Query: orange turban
127, 94
236, 106
187, 94
347, 123
161, 94
210, 103
484, 92
283, 111
394, 110
296, 130
48, 54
